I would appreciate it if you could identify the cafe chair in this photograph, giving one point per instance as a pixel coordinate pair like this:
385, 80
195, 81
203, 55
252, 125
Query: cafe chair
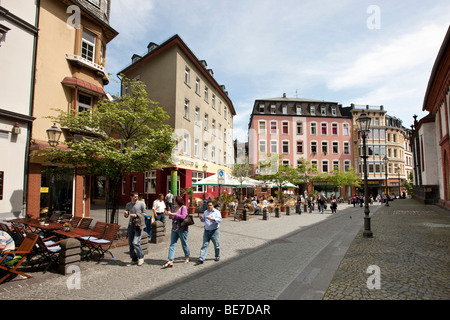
85, 223
55, 216
21, 253
102, 245
75, 221
47, 252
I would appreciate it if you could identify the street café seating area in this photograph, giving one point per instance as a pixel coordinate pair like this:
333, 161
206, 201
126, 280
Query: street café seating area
39, 242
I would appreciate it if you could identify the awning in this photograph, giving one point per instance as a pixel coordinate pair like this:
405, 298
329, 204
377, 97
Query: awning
75, 82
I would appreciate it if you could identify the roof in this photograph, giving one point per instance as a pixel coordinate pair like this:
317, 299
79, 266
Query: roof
177, 41
281, 99
75, 82
437, 63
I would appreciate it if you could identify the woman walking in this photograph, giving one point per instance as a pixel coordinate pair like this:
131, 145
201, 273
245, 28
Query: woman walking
178, 232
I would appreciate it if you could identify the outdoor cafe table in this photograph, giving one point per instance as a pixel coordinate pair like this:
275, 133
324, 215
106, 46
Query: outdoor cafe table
76, 233
36, 224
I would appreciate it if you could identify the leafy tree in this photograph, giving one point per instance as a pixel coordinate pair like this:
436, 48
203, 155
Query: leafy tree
338, 178
118, 137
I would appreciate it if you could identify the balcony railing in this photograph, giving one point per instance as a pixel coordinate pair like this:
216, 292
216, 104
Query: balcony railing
94, 66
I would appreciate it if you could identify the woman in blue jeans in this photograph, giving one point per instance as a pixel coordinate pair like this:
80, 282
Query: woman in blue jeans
178, 232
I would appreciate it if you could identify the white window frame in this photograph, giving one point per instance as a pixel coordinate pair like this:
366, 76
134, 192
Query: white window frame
90, 46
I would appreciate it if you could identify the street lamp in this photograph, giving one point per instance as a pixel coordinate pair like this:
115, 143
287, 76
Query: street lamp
363, 128
399, 182
205, 170
386, 160
53, 135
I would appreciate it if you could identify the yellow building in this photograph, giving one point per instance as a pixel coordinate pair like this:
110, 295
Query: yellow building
70, 75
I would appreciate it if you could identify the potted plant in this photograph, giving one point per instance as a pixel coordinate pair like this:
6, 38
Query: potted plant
189, 191
280, 196
41, 221
66, 226
225, 200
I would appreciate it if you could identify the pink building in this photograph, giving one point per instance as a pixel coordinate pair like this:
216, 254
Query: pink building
295, 128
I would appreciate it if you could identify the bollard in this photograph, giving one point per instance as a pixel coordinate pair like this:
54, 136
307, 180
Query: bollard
277, 212
158, 232
288, 210
265, 215
69, 255
244, 214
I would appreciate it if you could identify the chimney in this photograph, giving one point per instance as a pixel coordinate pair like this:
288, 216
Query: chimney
284, 95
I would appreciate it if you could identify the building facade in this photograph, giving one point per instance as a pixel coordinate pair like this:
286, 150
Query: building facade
200, 112
70, 75
387, 138
437, 103
295, 129
18, 35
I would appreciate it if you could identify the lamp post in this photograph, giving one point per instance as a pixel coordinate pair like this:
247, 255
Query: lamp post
205, 170
363, 127
53, 135
386, 160
399, 182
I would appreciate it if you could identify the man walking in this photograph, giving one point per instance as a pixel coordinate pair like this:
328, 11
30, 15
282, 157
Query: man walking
211, 217
169, 201
136, 211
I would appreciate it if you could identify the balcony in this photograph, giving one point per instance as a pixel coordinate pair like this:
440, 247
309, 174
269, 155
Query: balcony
99, 69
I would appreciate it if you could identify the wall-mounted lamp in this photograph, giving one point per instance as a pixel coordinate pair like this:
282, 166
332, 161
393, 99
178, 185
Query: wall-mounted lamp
53, 135
16, 128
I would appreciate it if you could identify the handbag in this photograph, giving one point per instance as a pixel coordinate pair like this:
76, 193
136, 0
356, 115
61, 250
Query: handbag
189, 220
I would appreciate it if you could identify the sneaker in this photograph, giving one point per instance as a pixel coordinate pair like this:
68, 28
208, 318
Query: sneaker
199, 261
217, 259
133, 262
140, 262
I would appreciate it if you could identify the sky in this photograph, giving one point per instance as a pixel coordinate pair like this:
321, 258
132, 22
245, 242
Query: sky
346, 51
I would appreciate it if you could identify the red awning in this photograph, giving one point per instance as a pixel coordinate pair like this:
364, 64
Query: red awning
75, 82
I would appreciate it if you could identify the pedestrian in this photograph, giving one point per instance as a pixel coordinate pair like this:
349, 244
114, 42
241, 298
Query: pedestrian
333, 205
321, 203
309, 205
212, 218
169, 201
159, 208
6, 244
255, 206
141, 198
178, 232
299, 204
135, 210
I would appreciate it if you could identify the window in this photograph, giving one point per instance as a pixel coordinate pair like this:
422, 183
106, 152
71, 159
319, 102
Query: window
285, 125
333, 111
124, 184
261, 108
262, 146
324, 147
299, 146
205, 122
324, 127
314, 164
312, 110
213, 101
206, 93
323, 110
84, 103
150, 182
186, 143
334, 129
325, 166
285, 147
133, 183
96, 2
299, 110
225, 112
197, 86
205, 151
225, 135
335, 147
196, 146
346, 147
285, 109
197, 176
262, 127
273, 146
187, 75
345, 129
335, 164
273, 127
313, 147
346, 165
88, 46
285, 162
213, 154
213, 127
299, 127
313, 128
186, 109
197, 116
272, 108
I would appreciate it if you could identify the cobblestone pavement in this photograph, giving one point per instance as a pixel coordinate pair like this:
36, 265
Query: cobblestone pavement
308, 256
411, 248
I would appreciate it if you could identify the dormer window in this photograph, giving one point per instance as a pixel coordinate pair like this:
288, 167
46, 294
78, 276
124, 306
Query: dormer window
272, 108
323, 110
285, 109
261, 108
299, 110
312, 110
333, 111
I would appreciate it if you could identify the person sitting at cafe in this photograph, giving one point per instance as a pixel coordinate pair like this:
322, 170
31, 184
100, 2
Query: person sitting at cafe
6, 244
255, 206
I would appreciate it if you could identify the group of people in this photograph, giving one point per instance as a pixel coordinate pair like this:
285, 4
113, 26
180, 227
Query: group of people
177, 212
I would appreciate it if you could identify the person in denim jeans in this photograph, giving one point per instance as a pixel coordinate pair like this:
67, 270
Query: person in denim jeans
211, 217
178, 232
136, 211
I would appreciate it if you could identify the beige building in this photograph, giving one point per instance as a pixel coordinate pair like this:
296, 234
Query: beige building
387, 137
200, 111
70, 75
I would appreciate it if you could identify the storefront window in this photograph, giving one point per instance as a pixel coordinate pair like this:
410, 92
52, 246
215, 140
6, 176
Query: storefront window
56, 190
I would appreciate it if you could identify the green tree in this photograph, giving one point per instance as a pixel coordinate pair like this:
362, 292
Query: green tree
118, 137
